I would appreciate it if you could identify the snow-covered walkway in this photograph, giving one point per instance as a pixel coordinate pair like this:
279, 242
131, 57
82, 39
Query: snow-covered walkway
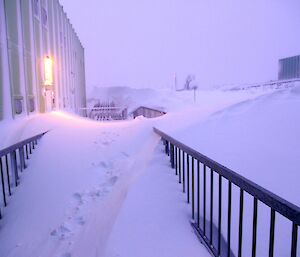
80, 195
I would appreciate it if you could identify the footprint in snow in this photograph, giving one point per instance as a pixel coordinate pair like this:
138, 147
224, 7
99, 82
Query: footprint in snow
80, 221
78, 197
64, 231
99, 193
103, 164
112, 180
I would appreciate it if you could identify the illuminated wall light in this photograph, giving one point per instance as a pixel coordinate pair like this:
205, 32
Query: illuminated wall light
48, 62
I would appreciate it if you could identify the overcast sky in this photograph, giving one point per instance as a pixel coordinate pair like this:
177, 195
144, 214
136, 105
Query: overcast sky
143, 43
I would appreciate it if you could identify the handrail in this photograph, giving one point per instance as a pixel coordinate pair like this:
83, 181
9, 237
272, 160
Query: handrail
274, 201
11, 163
11, 148
175, 148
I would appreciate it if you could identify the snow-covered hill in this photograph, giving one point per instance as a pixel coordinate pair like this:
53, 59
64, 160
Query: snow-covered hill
165, 99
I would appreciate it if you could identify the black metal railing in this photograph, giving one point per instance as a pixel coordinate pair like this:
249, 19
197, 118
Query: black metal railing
12, 161
208, 201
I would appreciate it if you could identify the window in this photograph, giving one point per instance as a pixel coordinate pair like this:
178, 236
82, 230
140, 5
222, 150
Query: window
18, 106
31, 105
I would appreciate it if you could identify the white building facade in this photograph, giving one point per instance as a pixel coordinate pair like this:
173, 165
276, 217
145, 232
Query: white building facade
41, 60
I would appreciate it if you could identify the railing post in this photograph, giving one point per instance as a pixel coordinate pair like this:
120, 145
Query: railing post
183, 172
22, 161
198, 194
176, 161
294, 240
13, 159
272, 232
254, 227
7, 174
26, 151
188, 177
172, 156
179, 162
241, 223
2, 182
193, 188
220, 215
211, 204
204, 199
229, 220
166, 147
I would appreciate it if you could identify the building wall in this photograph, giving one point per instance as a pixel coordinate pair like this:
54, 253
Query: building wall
30, 31
289, 68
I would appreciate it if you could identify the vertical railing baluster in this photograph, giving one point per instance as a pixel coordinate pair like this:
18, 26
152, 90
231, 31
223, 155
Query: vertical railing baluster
172, 157
229, 220
198, 194
220, 215
272, 230
13, 158
211, 204
183, 172
254, 227
24, 157
168, 148
176, 161
21, 159
26, 146
2, 182
193, 188
30, 151
33, 145
241, 222
7, 174
179, 161
204, 199
188, 177
294, 240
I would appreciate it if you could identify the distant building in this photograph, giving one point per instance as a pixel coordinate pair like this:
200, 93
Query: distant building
147, 112
41, 59
289, 68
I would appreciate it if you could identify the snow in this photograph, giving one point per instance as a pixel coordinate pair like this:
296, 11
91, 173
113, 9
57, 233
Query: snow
106, 189
257, 138
250, 135
167, 99
154, 211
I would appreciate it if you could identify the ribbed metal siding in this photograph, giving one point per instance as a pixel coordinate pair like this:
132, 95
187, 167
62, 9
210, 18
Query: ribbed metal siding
35, 29
289, 68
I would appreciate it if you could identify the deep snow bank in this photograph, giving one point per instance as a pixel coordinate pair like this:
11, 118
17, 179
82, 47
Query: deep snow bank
259, 139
